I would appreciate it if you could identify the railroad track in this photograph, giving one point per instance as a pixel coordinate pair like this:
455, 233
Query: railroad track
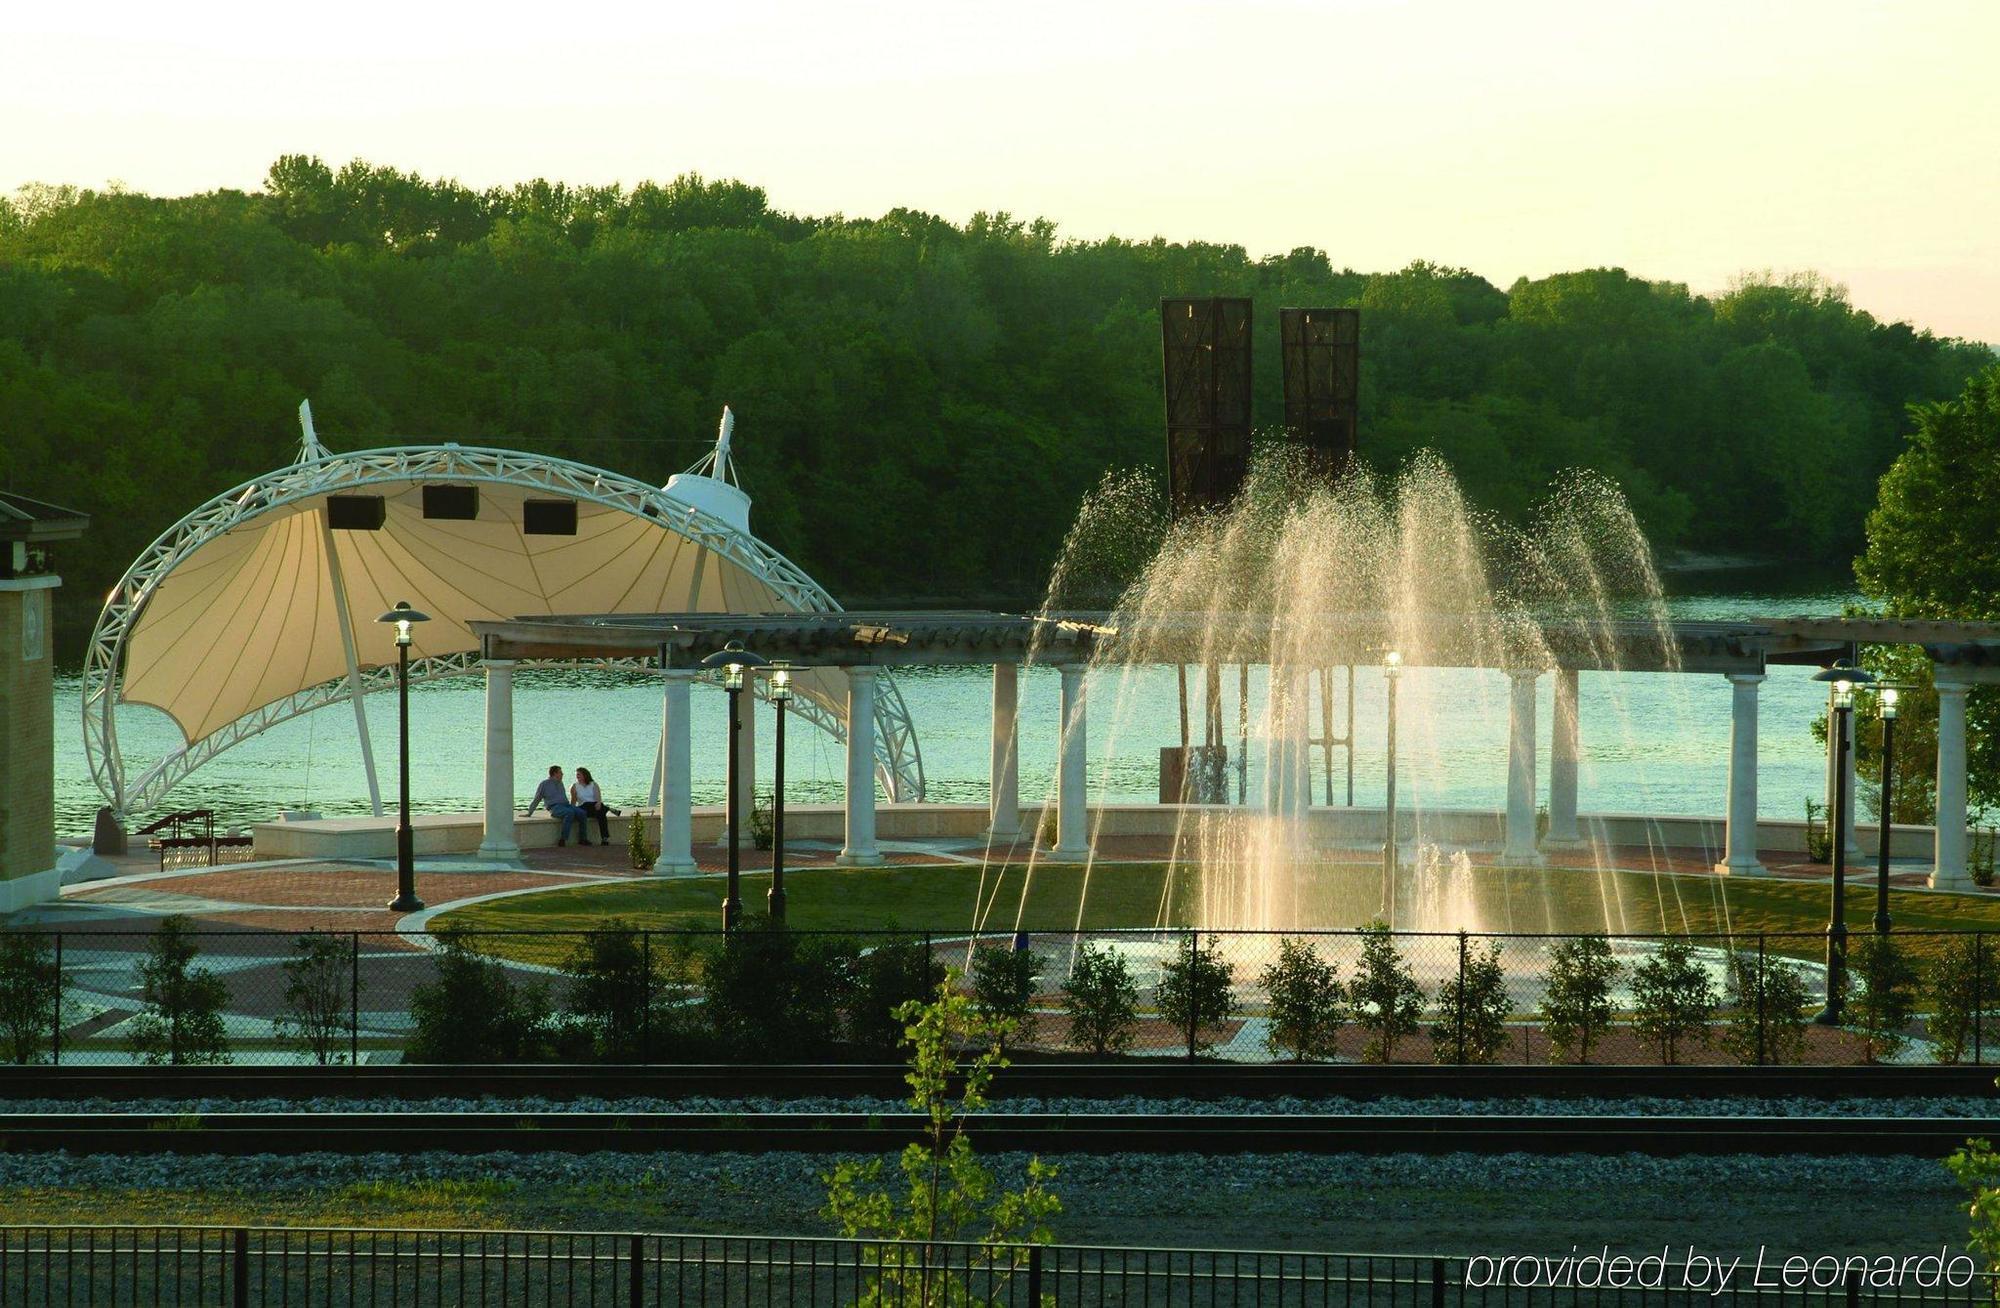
1162, 1078
474, 1132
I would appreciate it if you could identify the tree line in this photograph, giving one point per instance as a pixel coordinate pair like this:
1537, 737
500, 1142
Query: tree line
921, 403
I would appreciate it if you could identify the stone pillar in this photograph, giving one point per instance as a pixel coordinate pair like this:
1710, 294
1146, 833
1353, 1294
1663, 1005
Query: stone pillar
1520, 845
1856, 856
1563, 752
1740, 833
860, 851
1949, 871
1003, 819
1072, 810
499, 841
28, 872
676, 770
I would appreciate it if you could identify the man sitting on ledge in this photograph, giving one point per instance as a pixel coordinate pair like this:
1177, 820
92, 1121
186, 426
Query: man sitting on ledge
551, 795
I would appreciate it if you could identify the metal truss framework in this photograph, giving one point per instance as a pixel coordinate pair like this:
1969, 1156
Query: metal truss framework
899, 762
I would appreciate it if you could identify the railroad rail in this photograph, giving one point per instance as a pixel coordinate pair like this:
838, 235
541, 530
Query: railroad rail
406, 1132
1161, 1078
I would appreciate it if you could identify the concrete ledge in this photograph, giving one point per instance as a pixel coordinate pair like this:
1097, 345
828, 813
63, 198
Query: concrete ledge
35, 888
1358, 828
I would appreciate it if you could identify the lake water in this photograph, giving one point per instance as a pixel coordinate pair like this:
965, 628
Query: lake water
1651, 742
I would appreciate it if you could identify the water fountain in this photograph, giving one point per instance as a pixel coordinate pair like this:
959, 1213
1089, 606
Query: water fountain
1299, 575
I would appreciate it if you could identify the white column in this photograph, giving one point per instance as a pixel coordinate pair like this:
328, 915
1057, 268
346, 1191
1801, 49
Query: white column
676, 772
1563, 753
1300, 736
1855, 854
1520, 847
1278, 758
1003, 794
1949, 871
499, 841
1740, 833
1072, 813
860, 851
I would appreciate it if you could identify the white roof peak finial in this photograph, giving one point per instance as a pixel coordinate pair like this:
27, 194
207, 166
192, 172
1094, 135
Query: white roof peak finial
309, 446
724, 469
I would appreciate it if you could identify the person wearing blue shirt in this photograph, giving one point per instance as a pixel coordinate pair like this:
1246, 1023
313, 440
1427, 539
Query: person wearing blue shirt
551, 795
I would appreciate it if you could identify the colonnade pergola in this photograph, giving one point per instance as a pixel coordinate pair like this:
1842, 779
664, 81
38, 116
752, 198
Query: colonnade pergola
861, 643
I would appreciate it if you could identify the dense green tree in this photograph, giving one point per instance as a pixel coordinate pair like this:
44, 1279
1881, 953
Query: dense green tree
153, 350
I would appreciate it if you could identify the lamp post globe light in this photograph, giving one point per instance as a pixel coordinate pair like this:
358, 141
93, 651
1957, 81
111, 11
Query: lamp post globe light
781, 696
403, 617
734, 661
1392, 670
1843, 677
1886, 705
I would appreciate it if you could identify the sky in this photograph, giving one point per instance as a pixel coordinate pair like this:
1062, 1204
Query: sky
1691, 141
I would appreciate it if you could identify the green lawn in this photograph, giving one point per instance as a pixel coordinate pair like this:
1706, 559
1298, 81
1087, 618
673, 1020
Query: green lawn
946, 899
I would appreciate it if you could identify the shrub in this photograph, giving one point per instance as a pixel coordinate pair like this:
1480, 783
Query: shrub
1003, 987
1101, 1001
627, 994
763, 826
1888, 981
1196, 990
1672, 998
1819, 842
1577, 1006
1384, 994
1767, 1021
1959, 983
1985, 853
642, 854
31, 988
321, 987
183, 1018
777, 996
473, 1013
885, 978
1307, 1004
1472, 1008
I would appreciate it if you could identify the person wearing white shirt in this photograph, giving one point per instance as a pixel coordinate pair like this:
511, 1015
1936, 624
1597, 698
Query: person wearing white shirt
590, 801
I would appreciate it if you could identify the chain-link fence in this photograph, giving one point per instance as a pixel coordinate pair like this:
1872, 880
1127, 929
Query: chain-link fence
180, 995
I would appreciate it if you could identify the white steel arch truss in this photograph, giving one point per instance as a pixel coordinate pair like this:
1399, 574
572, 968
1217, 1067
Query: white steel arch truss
898, 759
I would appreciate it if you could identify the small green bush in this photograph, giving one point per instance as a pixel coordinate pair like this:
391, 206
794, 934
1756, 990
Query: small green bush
1384, 994
642, 854
886, 977
473, 1013
1101, 1001
1308, 1005
773, 995
183, 1018
1768, 997
1959, 983
627, 995
1003, 988
321, 987
1471, 1012
31, 988
763, 824
1196, 990
1576, 1009
1887, 999
1673, 998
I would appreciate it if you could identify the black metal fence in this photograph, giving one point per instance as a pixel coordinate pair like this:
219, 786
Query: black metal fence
107, 997
243, 1266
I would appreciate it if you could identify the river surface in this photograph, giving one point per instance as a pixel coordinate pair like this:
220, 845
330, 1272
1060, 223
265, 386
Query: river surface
1651, 742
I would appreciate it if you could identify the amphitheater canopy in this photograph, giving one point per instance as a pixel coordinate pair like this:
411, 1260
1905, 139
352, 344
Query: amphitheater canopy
260, 605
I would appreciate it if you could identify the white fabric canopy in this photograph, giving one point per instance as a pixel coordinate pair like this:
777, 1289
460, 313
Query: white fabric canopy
249, 611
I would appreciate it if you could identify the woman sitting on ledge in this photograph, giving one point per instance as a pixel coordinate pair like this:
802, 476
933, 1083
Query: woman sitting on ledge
589, 802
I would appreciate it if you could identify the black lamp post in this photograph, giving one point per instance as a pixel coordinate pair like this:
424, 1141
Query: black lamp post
406, 900
781, 695
1887, 700
1844, 677
733, 659
1392, 668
